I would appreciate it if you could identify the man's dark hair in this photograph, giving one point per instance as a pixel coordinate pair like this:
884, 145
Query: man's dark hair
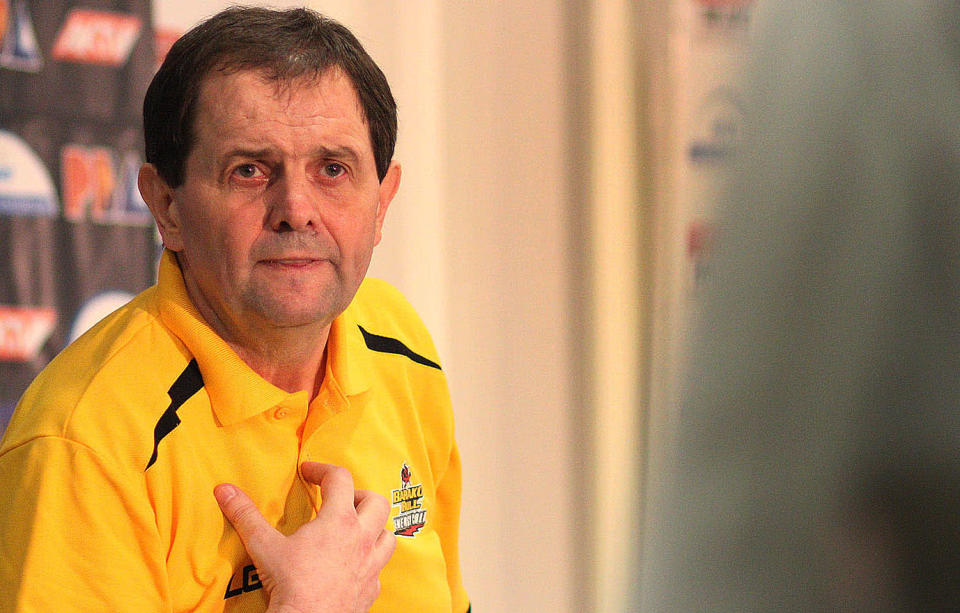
283, 45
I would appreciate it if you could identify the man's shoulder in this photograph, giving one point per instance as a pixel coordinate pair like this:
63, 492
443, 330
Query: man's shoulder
96, 382
381, 305
384, 314
382, 292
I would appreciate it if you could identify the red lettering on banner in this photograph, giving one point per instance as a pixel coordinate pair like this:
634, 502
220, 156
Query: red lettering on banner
97, 37
4, 17
88, 181
23, 331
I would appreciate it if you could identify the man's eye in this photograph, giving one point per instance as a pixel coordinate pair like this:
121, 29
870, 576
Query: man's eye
246, 171
333, 170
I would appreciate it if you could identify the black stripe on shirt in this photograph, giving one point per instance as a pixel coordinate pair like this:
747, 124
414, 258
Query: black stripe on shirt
385, 344
187, 384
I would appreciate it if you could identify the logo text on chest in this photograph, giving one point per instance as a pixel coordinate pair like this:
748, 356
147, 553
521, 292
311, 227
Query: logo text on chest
412, 516
248, 581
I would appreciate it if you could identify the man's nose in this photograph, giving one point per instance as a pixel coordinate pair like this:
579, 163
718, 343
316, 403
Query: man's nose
294, 205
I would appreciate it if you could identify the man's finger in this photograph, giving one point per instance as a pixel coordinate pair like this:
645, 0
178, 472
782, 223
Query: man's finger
255, 532
372, 508
383, 548
336, 483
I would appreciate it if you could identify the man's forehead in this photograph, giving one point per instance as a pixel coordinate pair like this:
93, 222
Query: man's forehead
330, 83
303, 115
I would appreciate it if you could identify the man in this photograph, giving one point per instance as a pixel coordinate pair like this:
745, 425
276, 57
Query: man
260, 351
816, 460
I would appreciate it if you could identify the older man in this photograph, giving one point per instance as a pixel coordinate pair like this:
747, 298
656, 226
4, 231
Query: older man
261, 351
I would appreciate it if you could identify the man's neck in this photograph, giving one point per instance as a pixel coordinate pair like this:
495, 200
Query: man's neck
292, 360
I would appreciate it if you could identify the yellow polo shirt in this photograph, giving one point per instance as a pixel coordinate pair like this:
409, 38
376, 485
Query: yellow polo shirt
108, 465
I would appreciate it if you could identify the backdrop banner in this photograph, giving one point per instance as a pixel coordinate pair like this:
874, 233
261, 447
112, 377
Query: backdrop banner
76, 239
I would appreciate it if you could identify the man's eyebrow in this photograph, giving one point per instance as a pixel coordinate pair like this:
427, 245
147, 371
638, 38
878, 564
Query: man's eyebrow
248, 152
339, 153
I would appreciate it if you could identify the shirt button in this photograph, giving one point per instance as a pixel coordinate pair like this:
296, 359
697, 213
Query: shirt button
280, 413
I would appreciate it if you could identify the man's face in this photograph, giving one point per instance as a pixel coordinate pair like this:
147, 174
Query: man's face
281, 206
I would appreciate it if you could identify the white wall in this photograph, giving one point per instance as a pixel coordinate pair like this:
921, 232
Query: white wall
507, 255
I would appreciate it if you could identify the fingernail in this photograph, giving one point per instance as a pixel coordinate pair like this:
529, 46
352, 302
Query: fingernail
224, 492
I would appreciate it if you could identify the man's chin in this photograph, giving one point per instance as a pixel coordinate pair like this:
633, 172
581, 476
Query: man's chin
297, 319
280, 313
286, 306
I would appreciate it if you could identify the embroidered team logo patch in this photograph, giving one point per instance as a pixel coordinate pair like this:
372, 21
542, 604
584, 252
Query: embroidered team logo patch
409, 498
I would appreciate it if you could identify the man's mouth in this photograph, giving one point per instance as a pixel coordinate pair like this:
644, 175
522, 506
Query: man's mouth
291, 261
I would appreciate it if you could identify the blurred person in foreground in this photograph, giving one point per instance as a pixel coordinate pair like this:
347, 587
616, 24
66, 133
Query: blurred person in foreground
814, 464
169, 459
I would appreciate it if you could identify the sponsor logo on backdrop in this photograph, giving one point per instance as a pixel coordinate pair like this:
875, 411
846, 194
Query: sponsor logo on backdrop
409, 498
97, 37
96, 187
23, 331
95, 309
717, 128
18, 46
88, 181
25, 185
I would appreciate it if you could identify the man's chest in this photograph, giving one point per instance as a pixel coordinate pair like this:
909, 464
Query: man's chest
208, 568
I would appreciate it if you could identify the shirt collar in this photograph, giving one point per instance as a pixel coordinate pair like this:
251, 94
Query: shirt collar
237, 392
348, 359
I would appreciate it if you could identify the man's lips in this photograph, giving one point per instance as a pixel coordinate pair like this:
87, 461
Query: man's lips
298, 261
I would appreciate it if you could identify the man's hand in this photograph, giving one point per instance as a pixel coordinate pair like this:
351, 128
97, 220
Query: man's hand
330, 564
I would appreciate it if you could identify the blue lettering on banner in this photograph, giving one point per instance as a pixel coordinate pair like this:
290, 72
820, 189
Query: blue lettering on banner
717, 126
19, 50
128, 204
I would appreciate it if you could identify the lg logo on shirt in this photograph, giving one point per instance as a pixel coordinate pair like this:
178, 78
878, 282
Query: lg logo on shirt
250, 582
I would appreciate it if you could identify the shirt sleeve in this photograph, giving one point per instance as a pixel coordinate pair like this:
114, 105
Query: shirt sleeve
75, 533
448, 527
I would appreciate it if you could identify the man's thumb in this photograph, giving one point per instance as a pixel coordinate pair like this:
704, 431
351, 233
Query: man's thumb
255, 532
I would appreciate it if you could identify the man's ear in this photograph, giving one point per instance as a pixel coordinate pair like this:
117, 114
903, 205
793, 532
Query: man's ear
388, 189
160, 199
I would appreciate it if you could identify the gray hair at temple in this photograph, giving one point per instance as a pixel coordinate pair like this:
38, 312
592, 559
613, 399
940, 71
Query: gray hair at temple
283, 45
